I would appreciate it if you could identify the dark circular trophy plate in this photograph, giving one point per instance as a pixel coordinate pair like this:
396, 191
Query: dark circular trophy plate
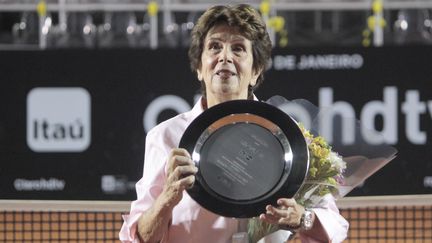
248, 154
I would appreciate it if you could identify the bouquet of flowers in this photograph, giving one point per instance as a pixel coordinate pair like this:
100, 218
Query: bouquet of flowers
325, 172
323, 177
329, 172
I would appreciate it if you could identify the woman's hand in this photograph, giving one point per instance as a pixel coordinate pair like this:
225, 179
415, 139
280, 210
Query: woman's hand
287, 215
153, 223
180, 176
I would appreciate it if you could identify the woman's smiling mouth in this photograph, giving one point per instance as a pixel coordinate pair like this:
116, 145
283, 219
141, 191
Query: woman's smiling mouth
225, 73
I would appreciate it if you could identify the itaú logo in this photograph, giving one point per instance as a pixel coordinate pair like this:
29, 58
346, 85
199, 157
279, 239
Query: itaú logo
58, 119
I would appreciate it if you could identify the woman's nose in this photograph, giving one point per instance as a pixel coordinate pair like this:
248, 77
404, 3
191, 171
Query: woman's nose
225, 56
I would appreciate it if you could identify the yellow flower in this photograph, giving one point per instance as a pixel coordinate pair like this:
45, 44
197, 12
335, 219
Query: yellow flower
320, 141
324, 166
331, 181
313, 171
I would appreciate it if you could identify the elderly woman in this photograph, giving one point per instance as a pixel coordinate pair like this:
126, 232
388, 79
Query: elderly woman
229, 51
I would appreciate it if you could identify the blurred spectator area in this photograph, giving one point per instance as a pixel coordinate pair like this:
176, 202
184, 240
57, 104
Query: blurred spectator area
128, 24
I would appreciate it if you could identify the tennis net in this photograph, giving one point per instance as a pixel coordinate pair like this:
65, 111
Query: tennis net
372, 219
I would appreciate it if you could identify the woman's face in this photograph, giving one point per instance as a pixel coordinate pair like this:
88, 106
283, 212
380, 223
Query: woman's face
226, 65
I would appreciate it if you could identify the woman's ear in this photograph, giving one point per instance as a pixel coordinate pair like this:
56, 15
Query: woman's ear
254, 78
199, 75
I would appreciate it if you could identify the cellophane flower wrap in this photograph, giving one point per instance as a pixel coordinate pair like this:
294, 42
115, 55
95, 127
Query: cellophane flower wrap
335, 169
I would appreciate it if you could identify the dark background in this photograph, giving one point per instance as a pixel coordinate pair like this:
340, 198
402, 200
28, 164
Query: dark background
123, 82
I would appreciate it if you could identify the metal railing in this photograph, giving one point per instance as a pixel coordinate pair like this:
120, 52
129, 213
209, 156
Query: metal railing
153, 25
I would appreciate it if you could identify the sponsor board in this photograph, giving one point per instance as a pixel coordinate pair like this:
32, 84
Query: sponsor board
74, 127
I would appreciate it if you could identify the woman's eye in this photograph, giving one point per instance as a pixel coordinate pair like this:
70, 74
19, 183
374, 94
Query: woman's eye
214, 46
238, 48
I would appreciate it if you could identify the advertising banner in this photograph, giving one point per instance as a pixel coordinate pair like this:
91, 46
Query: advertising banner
73, 122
